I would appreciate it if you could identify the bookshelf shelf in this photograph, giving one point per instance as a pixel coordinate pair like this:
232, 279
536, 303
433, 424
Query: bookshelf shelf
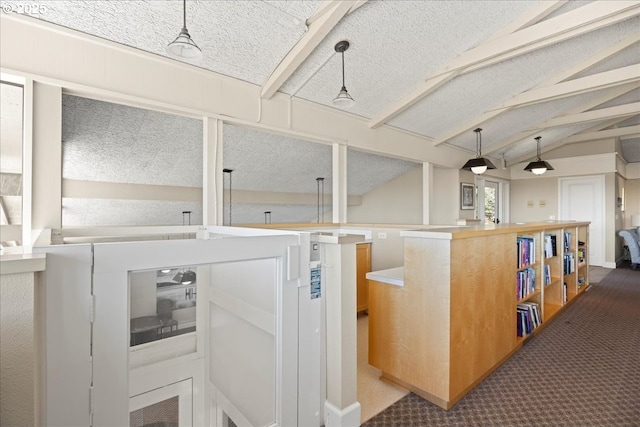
550, 310
530, 296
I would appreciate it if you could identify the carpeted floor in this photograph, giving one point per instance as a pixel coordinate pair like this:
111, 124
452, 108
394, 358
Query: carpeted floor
583, 369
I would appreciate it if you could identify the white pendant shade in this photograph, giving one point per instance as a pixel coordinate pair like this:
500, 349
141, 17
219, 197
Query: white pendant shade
343, 99
183, 47
479, 169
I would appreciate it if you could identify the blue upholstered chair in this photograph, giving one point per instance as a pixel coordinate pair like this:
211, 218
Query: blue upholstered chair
632, 240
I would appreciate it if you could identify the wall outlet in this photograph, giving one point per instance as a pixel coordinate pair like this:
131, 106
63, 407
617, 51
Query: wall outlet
382, 235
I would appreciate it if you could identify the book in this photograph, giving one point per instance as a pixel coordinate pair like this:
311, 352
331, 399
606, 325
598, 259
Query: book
547, 275
550, 249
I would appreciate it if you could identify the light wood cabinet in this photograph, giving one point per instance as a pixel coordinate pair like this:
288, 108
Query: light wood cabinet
455, 319
363, 266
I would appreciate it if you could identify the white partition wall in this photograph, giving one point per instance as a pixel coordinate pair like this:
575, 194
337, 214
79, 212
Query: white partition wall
235, 362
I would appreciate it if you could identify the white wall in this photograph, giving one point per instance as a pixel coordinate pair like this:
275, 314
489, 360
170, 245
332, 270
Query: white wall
445, 199
534, 199
632, 196
397, 202
17, 371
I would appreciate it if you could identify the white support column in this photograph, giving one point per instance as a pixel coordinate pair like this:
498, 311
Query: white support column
47, 157
217, 171
342, 408
339, 183
427, 191
480, 201
210, 178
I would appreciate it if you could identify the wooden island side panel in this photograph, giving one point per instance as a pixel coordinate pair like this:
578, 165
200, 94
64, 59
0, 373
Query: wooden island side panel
483, 315
409, 325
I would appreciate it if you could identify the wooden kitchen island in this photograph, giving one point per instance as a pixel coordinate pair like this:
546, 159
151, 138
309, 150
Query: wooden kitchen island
458, 313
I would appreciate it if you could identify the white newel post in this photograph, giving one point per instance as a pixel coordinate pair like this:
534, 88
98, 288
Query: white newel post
341, 407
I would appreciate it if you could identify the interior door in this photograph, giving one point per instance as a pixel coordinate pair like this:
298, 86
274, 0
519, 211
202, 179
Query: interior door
582, 199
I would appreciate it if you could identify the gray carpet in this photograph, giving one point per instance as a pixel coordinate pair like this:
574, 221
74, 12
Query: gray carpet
583, 369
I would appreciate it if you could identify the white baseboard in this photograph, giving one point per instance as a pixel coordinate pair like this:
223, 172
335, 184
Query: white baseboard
609, 265
347, 417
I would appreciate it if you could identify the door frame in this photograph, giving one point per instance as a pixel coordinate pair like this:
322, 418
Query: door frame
601, 182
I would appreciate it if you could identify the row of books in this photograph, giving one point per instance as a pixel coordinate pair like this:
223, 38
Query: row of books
564, 293
525, 283
526, 251
569, 264
550, 248
528, 317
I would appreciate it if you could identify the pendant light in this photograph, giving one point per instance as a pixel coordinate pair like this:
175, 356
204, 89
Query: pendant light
478, 165
343, 99
183, 47
539, 166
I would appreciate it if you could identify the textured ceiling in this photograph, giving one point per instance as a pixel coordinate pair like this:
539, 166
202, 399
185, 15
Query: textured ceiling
108, 142
397, 45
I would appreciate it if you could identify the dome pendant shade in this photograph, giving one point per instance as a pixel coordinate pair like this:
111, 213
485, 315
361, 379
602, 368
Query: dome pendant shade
479, 165
183, 47
539, 166
343, 99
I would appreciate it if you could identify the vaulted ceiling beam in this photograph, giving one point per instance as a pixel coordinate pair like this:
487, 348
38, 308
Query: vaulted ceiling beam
579, 86
590, 62
612, 94
432, 84
535, 14
601, 13
604, 134
571, 24
332, 13
592, 116
591, 134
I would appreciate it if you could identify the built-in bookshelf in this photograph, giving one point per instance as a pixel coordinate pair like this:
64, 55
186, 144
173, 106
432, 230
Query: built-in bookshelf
546, 283
468, 293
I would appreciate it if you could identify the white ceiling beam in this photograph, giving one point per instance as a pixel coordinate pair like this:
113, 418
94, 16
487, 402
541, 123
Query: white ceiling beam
603, 134
589, 133
612, 94
591, 116
535, 14
590, 62
553, 40
327, 5
425, 89
577, 19
571, 24
315, 34
579, 86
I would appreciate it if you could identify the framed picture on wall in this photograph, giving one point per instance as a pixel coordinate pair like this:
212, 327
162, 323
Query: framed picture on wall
467, 196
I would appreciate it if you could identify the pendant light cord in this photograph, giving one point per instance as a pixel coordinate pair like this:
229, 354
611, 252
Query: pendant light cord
538, 147
343, 86
478, 143
184, 14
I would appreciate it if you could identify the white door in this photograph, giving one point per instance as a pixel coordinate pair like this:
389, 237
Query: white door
582, 199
